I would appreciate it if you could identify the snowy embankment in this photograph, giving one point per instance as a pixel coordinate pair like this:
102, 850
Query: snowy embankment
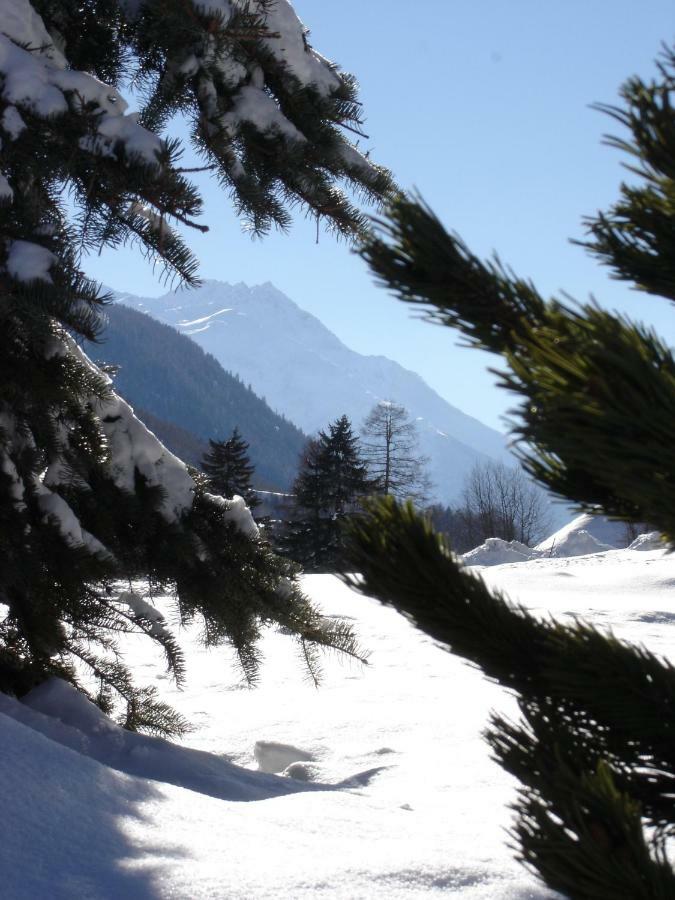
582, 536
393, 789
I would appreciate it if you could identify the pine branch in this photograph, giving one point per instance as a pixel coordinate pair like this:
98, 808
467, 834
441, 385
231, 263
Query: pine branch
403, 563
598, 712
572, 420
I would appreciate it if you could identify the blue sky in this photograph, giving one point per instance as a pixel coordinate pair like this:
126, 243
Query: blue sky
484, 108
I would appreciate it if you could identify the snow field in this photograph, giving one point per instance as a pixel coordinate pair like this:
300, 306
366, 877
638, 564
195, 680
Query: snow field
394, 790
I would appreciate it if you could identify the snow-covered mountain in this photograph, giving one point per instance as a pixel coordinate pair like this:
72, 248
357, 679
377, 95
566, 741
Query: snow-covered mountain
306, 373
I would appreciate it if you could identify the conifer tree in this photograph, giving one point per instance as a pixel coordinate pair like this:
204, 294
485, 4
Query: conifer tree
88, 497
594, 751
329, 488
229, 470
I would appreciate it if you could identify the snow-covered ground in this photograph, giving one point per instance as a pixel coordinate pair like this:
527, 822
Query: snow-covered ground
91, 811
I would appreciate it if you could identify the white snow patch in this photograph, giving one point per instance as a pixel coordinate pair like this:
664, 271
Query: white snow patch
64, 715
272, 756
27, 261
572, 540
308, 66
604, 530
12, 123
302, 772
39, 81
57, 511
16, 488
253, 105
23, 25
578, 543
184, 324
100, 812
496, 552
6, 192
132, 447
237, 512
651, 540
140, 606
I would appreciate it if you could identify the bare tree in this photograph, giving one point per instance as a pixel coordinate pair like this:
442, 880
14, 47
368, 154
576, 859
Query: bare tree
501, 501
390, 447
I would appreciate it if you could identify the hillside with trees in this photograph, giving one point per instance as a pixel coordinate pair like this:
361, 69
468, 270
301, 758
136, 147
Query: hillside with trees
304, 371
169, 375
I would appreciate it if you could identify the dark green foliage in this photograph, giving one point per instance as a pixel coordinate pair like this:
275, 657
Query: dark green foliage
450, 523
594, 750
229, 470
96, 518
328, 490
165, 373
635, 238
587, 437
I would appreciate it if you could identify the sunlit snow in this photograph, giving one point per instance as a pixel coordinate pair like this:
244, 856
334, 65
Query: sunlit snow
388, 786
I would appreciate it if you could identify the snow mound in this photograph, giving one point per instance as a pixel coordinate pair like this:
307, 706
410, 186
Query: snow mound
301, 771
651, 540
613, 534
64, 840
64, 715
578, 543
496, 552
273, 757
572, 540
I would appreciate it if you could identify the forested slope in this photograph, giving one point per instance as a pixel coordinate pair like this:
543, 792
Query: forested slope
171, 377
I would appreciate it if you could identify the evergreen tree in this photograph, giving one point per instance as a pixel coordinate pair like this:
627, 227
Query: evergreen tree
229, 470
330, 485
594, 752
88, 497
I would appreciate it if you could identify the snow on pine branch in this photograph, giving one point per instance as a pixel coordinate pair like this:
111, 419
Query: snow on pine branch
11, 123
6, 192
57, 511
283, 38
53, 507
132, 447
287, 44
234, 95
253, 106
144, 610
37, 80
27, 261
237, 512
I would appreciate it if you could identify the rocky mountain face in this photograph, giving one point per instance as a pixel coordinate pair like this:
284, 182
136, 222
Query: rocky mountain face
308, 375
